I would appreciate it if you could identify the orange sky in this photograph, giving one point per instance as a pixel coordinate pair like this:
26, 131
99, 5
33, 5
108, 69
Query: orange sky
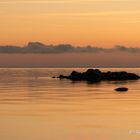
103, 23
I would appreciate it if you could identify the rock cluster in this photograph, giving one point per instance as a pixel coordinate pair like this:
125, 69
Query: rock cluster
95, 75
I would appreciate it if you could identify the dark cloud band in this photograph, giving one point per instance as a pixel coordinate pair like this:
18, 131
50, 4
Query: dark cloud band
37, 47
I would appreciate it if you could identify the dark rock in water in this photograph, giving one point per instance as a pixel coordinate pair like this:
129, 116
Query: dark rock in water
62, 77
75, 75
92, 75
53, 77
121, 89
120, 76
95, 75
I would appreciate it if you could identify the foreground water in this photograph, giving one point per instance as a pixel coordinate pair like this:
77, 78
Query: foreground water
33, 106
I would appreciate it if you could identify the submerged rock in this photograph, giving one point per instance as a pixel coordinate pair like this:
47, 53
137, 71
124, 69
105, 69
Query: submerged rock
122, 89
95, 75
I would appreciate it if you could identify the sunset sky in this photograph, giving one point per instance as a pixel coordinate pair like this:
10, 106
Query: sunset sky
103, 23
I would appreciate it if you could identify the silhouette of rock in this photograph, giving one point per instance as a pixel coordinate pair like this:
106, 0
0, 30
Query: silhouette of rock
95, 75
92, 75
121, 89
62, 77
75, 76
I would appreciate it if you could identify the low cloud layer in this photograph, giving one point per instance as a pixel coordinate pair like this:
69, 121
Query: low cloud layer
37, 47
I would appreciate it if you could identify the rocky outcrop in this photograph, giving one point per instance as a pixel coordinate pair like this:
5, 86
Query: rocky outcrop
95, 75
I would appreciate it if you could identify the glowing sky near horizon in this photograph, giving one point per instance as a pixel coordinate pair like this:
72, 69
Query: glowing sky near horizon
102, 23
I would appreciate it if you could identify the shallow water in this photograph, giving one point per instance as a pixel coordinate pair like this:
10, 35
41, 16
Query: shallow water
33, 106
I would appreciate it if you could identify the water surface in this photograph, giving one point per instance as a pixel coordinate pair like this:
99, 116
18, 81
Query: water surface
33, 106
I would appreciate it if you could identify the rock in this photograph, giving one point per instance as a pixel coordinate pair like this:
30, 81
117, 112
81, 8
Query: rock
93, 71
75, 75
62, 77
92, 75
122, 89
95, 75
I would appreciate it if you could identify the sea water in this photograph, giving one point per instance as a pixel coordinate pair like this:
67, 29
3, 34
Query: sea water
34, 106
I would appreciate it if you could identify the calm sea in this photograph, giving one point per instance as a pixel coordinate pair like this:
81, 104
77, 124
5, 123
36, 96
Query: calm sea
33, 106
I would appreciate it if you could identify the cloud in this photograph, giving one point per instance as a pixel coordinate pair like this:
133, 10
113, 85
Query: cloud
40, 48
126, 49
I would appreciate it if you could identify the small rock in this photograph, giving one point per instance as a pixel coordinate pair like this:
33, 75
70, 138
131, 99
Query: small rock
121, 89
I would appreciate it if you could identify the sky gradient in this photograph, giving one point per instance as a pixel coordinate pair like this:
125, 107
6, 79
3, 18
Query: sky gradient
103, 23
